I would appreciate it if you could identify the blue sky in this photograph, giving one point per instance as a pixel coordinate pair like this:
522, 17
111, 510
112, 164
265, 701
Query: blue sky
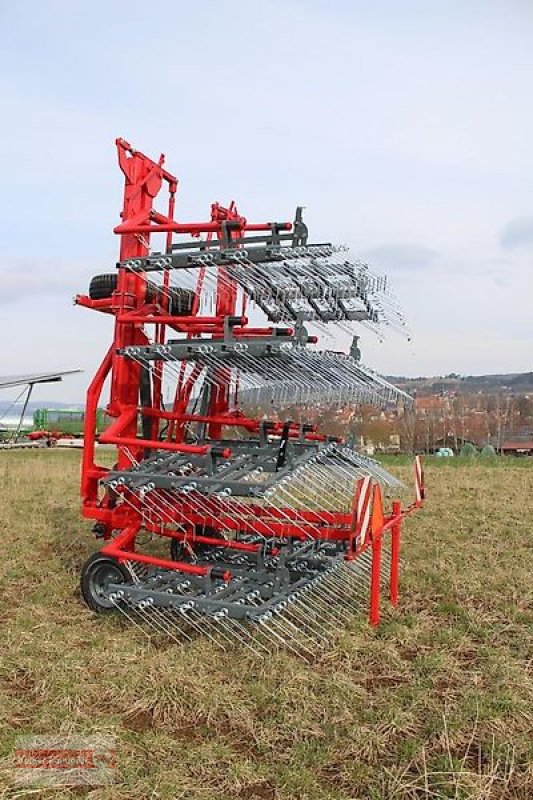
406, 129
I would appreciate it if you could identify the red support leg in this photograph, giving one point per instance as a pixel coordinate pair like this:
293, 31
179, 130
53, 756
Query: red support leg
395, 552
375, 581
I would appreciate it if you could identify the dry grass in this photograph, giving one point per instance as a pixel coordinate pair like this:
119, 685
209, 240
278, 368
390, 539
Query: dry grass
436, 703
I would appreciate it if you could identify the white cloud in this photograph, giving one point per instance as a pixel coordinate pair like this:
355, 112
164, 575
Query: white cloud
401, 256
518, 233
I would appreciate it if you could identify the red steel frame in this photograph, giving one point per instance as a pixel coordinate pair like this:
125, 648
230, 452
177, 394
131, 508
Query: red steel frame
144, 178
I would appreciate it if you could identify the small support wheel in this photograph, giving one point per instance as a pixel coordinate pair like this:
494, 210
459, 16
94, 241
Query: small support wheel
98, 572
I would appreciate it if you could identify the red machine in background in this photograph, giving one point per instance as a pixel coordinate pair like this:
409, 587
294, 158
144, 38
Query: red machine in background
263, 517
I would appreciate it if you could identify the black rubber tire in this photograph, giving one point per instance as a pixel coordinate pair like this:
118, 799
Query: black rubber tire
179, 300
97, 572
102, 286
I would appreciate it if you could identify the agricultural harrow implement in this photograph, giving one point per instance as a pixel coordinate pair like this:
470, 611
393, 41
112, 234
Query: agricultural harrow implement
215, 519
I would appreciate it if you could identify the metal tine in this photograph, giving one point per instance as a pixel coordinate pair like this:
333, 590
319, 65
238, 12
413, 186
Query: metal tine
342, 373
186, 610
355, 590
153, 621
347, 570
354, 598
286, 634
343, 581
340, 597
283, 615
385, 564
249, 631
315, 374
342, 609
369, 466
311, 265
260, 631
345, 458
308, 487
234, 504
358, 579
224, 629
313, 269
309, 618
338, 582
255, 628
263, 371
342, 468
312, 362
205, 622
297, 502
357, 374
297, 608
320, 608
339, 279
355, 367
158, 510
200, 505
275, 279
246, 637
259, 279
239, 510
203, 625
270, 644
321, 597
186, 499
346, 479
305, 264
167, 620
357, 584
295, 522
325, 585
278, 377
320, 475
321, 361
300, 493
271, 365
119, 603
363, 559
327, 590
288, 628
309, 372
274, 270
312, 624
170, 624
265, 622
253, 632
309, 379
349, 598
132, 570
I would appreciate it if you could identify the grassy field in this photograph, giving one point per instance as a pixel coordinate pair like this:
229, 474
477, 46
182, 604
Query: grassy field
436, 703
